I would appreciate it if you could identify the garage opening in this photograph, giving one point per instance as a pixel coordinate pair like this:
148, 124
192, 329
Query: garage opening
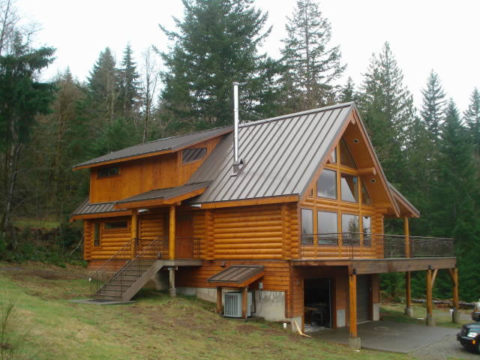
363, 298
318, 303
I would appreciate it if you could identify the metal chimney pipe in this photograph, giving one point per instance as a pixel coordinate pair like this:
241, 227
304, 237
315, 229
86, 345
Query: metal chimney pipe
235, 122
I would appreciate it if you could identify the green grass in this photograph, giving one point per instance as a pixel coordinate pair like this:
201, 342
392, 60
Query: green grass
46, 325
46, 224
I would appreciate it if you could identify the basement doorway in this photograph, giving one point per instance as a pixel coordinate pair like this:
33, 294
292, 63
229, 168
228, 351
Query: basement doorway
318, 303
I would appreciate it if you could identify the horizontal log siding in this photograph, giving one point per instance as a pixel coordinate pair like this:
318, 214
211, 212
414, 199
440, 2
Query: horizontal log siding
153, 227
251, 232
111, 240
199, 234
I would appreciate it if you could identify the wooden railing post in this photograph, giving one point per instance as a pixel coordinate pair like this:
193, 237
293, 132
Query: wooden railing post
406, 228
219, 300
354, 340
245, 302
171, 233
134, 233
455, 297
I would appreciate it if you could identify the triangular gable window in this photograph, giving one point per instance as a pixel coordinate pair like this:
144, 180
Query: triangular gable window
346, 157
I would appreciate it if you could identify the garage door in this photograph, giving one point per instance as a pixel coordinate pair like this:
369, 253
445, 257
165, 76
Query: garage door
363, 298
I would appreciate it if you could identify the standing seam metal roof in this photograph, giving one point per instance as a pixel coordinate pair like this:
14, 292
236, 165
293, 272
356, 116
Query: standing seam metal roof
280, 154
171, 143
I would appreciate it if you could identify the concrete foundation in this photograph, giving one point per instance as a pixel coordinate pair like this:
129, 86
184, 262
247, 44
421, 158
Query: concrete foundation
295, 320
270, 305
409, 311
430, 321
456, 316
341, 318
355, 343
160, 280
376, 312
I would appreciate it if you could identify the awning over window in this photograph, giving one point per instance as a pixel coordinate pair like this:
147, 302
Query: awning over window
237, 276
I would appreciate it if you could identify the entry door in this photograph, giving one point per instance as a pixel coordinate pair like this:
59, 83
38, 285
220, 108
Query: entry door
363, 298
184, 236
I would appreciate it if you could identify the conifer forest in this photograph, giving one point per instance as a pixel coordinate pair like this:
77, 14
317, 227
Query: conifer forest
431, 153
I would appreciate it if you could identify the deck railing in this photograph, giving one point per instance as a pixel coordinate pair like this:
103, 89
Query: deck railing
387, 246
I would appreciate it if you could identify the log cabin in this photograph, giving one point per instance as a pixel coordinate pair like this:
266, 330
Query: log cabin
288, 212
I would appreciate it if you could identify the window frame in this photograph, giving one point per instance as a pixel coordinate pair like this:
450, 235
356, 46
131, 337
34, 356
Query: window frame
304, 235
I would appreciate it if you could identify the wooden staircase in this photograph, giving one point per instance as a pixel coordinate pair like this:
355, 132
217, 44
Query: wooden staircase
128, 281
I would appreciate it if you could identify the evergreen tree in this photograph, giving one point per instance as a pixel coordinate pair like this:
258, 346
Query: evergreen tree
129, 92
433, 108
22, 97
472, 118
311, 64
216, 44
454, 210
348, 92
103, 85
387, 109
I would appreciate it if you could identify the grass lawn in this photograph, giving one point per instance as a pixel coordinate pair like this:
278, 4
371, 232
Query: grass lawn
45, 325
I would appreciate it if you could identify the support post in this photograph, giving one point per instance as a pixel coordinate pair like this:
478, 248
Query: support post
219, 300
245, 302
171, 233
134, 233
406, 230
354, 341
408, 294
172, 290
455, 297
429, 318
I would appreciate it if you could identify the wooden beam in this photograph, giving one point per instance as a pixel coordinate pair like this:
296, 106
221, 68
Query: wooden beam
251, 202
100, 215
171, 233
406, 230
219, 300
367, 171
408, 289
454, 274
429, 297
434, 277
352, 292
134, 233
245, 302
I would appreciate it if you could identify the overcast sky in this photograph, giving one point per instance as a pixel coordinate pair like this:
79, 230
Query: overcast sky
424, 34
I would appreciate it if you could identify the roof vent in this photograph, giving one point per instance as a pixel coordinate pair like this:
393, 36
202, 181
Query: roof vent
237, 162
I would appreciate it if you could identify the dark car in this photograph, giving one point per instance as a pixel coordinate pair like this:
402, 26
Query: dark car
469, 337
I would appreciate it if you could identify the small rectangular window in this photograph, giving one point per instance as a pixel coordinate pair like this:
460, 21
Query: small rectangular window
327, 184
108, 171
96, 234
349, 188
327, 228
307, 227
367, 230
116, 225
350, 229
193, 154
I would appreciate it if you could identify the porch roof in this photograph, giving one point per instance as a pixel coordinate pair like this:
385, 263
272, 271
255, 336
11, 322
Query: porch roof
237, 276
165, 196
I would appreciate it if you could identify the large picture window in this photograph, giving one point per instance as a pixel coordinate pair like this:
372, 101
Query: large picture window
307, 227
349, 188
327, 228
367, 230
350, 229
327, 184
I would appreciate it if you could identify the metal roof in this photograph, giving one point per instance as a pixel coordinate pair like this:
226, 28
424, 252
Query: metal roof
165, 194
152, 147
280, 155
237, 274
99, 208
407, 205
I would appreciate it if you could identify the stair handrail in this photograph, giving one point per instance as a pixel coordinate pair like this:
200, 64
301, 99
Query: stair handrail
95, 279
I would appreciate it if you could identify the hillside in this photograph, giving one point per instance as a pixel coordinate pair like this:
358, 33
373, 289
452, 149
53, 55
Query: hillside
46, 325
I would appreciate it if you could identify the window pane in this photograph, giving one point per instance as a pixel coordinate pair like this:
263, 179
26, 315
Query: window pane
327, 228
350, 229
96, 234
307, 227
108, 171
365, 196
116, 225
367, 230
346, 157
327, 184
334, 156
349, 188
